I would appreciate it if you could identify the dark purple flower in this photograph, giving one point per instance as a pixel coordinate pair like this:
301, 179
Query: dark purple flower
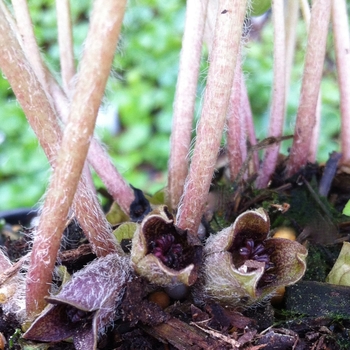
161, 251
242, 265
85, 305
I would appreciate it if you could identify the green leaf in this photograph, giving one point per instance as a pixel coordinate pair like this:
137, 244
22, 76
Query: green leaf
259, 7
340, 273
346, 210
125, 231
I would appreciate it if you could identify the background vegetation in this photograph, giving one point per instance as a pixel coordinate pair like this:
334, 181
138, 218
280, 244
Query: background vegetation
140, 92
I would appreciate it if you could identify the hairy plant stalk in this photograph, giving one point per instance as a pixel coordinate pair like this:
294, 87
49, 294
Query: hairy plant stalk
98, 158
223, 58
31, 49
25, 28
316, 130
236, 125
278, 94
65, 43
342, 54
101, 43
249, 122
315, 52
42, 118
115, 184
185, 96
291, 21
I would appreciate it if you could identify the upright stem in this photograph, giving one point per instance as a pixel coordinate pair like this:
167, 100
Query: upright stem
25, 28
223, 59
342, 51
185, 96
315, 53
249, 122
305, 9
100, 46
65, 42
115, 184
291, 22
278, 93
41, 116
235, 124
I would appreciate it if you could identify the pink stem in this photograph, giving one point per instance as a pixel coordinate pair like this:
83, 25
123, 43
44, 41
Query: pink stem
25, 28
249, 122
101, 43
223, 58
291, 22
185, 96
278, 94
98, 158
313, 67
65, 42
342, 50
235, 124
115, 184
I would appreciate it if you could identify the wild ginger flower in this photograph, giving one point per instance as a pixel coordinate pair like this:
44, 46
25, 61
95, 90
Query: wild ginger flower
161, 251
85, 305
243, 266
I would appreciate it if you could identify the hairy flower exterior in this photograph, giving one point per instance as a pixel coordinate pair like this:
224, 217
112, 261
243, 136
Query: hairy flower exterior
243, 266
161, 253
85, 305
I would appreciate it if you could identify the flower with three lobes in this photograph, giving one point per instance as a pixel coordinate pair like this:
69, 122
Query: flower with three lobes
243, 266
162, 253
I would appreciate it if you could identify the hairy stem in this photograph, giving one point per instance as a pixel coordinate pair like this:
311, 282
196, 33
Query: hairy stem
223, 60
249, 122
25, 28
101, 43
278, 93
315, 52
185, 96
65, 42
316, 130
42, 118
291, 22
115, 184
235, 124
342, 51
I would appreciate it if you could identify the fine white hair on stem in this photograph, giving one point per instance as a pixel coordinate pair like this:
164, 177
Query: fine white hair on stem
278, 94
95, 66
185, 98
227, 39
65, 40
342, 49
315, 53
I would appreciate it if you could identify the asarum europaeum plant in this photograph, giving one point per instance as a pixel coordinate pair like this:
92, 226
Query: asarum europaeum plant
240, 262
163, 253
85, 305
243, 266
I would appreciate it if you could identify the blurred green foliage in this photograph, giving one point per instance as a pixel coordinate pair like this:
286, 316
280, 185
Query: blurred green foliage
141, 88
